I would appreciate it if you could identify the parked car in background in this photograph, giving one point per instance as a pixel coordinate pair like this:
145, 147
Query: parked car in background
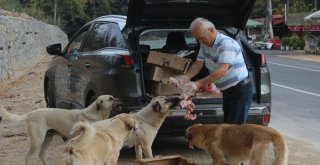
108, 56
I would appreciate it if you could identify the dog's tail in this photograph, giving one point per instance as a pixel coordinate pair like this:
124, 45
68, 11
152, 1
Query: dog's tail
281, 149
87, 133
10, 116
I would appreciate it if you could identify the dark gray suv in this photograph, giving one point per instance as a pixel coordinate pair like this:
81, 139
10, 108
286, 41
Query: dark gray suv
108, 56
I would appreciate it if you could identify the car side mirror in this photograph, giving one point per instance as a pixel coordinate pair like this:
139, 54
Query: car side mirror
74, 54
54, 49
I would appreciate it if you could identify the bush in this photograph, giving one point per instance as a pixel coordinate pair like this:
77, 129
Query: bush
296, 42
285, 41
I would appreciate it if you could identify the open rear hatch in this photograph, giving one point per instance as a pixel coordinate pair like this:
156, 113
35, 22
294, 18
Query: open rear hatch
176, 15
180, 13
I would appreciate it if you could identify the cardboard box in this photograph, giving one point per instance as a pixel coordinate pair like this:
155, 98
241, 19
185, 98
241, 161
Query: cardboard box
172, 61
159, 74
165, 160
161, 89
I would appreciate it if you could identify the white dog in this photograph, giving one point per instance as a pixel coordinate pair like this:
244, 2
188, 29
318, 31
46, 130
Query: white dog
150, 119
99, 145
60, 121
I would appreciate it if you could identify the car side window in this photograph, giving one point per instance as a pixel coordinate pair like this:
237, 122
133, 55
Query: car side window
104, 35
96, 38
114, 37
75, 44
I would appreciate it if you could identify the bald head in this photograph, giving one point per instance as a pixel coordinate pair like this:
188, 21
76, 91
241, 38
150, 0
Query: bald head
201, 24
203, 30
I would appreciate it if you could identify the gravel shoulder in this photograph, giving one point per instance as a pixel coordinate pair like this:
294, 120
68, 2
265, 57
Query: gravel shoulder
26, 94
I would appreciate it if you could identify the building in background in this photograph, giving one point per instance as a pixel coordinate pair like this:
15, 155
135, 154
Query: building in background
299, 26
254, 30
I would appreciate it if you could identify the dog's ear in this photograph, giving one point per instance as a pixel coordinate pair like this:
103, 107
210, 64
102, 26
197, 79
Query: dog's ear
98, 104
131, 123
156, 106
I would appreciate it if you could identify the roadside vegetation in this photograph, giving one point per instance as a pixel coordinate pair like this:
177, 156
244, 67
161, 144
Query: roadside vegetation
69, 15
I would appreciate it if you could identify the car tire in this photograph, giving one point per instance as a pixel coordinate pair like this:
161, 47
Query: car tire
49, 95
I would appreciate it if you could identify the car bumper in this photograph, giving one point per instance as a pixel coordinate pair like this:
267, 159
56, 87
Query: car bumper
175, 124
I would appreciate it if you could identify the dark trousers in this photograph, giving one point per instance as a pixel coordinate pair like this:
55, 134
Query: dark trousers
237, 101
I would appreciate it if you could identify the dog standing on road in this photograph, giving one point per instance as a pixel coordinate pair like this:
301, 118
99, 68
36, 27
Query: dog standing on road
40, 121
233, 144
150, 119
97, 144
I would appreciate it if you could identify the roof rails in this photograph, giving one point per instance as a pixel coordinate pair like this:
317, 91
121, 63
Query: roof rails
111, 16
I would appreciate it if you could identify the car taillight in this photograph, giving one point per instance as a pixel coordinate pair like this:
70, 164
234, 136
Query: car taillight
263, 59
266, 119
126, 60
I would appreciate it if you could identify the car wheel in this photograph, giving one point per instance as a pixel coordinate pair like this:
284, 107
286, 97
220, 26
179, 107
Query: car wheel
90, 98
49, 96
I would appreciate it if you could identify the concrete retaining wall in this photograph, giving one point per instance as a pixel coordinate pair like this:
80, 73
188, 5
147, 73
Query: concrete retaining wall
22, 43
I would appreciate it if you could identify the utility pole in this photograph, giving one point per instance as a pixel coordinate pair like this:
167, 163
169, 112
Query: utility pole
55, 10
286, 11
269, 18
315, 5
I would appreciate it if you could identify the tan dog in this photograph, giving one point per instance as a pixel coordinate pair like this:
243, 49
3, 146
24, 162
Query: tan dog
233, 144
58, 121
150, 119
99, 145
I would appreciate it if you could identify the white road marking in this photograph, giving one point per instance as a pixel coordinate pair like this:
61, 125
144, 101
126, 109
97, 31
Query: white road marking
297, 90
294, 67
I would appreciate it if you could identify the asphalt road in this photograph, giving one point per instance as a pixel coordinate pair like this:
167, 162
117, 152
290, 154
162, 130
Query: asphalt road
295, 97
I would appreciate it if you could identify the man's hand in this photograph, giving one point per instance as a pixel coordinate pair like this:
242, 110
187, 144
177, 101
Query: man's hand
204, 86
201, 85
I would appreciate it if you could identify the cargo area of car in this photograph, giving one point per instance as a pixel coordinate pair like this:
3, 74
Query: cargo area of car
162, 59
169, 54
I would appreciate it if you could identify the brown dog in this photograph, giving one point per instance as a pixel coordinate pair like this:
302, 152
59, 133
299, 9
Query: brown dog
233, 144
97, 144
60, 121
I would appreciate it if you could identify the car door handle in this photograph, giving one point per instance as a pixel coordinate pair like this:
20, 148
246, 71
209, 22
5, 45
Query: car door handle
87, 66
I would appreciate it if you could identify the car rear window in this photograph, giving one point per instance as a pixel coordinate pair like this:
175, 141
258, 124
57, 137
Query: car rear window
156, 39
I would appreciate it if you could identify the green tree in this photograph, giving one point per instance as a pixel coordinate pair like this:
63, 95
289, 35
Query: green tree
102, 7
73, 15
97, 8
260, 8
119, 6
68, 14
299, 6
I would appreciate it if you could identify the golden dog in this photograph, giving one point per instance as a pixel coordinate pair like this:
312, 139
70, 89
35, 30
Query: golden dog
59, 121
233, 144
99, 145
